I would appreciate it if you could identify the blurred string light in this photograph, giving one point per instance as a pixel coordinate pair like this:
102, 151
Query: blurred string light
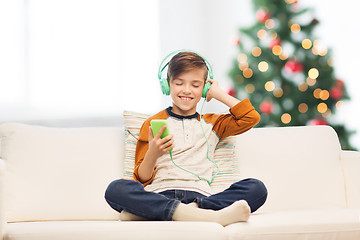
316, 93
313, 73
306, 43
310, 81
277, 50
261, 34
322, 107
250, 88
270, 24
263, 66
339, 104
303, 87
286, 118
247, 72
318, 48
256, 52
269, 86
295, 28
283, 56
242, 60
324, 95
303, 107
278, 92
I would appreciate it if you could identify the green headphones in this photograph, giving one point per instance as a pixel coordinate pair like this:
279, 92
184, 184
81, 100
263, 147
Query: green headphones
164, 85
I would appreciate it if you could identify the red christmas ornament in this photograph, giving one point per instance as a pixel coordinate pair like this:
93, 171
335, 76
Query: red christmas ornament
262, 15
236, 41
275, 42
266, 107
294, 66
231, 92
336, 92
340, 83
318, 121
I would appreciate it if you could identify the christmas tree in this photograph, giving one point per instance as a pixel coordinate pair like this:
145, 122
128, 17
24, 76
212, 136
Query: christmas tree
286, 71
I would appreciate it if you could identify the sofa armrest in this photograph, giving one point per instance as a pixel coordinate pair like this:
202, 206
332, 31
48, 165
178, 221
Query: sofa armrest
2, 196
350, 161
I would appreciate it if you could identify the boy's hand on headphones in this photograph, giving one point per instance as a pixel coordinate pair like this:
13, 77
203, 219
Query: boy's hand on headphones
212, 90
159, 146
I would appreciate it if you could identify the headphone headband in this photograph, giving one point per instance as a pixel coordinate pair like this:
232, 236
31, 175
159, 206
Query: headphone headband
161, 69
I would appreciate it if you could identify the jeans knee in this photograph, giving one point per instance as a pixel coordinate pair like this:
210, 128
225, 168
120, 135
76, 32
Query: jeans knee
258, 186
117, 188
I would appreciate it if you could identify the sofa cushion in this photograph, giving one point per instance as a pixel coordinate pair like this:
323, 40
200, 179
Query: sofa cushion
224, 153
59, 173
336, 224
300, 166
351, 165
114, 230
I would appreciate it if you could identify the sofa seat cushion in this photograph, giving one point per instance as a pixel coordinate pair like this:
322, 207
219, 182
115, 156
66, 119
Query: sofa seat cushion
114, 230
311, 225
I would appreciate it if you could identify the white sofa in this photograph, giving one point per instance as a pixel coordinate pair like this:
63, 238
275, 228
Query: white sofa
52, 184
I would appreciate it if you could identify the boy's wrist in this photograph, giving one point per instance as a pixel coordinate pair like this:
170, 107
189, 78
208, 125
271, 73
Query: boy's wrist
225, 98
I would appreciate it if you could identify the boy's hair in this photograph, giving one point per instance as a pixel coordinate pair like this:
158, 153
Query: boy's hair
184, 62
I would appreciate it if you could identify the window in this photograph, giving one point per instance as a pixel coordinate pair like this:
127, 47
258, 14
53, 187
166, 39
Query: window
77, 58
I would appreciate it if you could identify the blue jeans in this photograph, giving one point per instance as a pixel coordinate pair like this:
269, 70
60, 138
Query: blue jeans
130, 196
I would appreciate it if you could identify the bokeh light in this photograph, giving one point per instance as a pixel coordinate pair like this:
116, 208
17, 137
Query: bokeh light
310, 81
278, 92
270, 24
286, 118
247, 72
269, 86
313, 73
303, 87
295, 28
263, 66
242, 58
324, 95
339, 104
243, 66
250, 88
317, 92
277, 50
322, 107
256, 52
261, 34
303, 107
306, 43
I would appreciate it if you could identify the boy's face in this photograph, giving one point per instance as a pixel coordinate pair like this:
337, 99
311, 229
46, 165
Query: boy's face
186, 90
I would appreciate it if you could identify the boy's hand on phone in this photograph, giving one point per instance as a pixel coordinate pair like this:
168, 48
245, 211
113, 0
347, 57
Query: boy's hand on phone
159, 146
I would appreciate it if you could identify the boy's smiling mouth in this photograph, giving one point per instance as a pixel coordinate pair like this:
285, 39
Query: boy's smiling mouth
185, 98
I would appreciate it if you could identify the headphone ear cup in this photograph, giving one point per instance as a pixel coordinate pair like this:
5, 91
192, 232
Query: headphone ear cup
165, 86
206, 89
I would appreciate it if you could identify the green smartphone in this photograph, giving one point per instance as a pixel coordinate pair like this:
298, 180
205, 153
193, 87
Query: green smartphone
156, 124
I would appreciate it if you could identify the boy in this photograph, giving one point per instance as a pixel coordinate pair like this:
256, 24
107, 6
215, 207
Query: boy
176, 187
